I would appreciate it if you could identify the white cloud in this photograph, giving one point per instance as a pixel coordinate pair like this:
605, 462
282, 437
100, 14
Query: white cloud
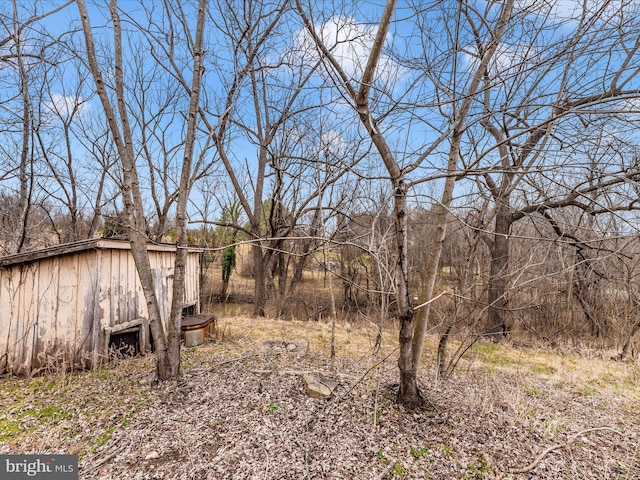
333, 143
506, 60
631, 105
64, 106
350, 43
561, 9
572, 10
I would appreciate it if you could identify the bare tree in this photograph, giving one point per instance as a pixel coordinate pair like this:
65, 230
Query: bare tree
26, 49
166, 339
537, 104
74, 187
359, 94
272, 116
103, 190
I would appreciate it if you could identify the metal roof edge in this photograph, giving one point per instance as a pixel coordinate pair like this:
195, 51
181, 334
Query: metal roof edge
82, 245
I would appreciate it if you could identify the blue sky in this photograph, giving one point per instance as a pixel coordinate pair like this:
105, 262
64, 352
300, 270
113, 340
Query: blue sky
411, 97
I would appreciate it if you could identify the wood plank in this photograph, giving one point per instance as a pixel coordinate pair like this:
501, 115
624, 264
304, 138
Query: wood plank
125, 326
26, 319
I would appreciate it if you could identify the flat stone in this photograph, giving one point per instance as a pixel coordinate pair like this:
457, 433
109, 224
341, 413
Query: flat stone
296, 347
319, 386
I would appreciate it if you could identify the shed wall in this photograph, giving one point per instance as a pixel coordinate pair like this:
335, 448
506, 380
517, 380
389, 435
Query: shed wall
54, 311
46, 313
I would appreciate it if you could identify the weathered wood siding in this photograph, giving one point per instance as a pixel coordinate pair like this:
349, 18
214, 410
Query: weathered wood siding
47, 316
54, 310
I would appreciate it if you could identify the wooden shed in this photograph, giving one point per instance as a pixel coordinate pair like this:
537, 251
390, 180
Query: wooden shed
62, 307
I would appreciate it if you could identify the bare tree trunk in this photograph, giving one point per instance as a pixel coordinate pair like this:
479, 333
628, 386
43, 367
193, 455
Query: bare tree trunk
25, 173
177, 302
442, 352
260, 289
497, 283
334, 315
627, 349
408, 395
299, 266
585, 292
131, 195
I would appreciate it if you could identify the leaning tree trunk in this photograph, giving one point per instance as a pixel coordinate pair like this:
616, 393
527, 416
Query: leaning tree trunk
26, 159
435, 253
165, 369
167, 345
442, 208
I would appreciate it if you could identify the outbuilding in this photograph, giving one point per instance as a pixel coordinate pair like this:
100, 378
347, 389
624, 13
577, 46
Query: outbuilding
68, 306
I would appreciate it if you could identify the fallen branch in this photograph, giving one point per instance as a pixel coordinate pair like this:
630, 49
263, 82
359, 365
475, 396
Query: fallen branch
106, 459
220, 364
306, 457
386, 471
365, 374
571, 439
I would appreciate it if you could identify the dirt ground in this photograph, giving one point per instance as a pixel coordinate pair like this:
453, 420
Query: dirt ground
239, 413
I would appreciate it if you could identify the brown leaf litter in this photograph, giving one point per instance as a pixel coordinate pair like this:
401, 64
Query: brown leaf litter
239, 413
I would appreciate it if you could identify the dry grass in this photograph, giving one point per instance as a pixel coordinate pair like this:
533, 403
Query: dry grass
588, 373
239, 414
71, 412
352, 340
